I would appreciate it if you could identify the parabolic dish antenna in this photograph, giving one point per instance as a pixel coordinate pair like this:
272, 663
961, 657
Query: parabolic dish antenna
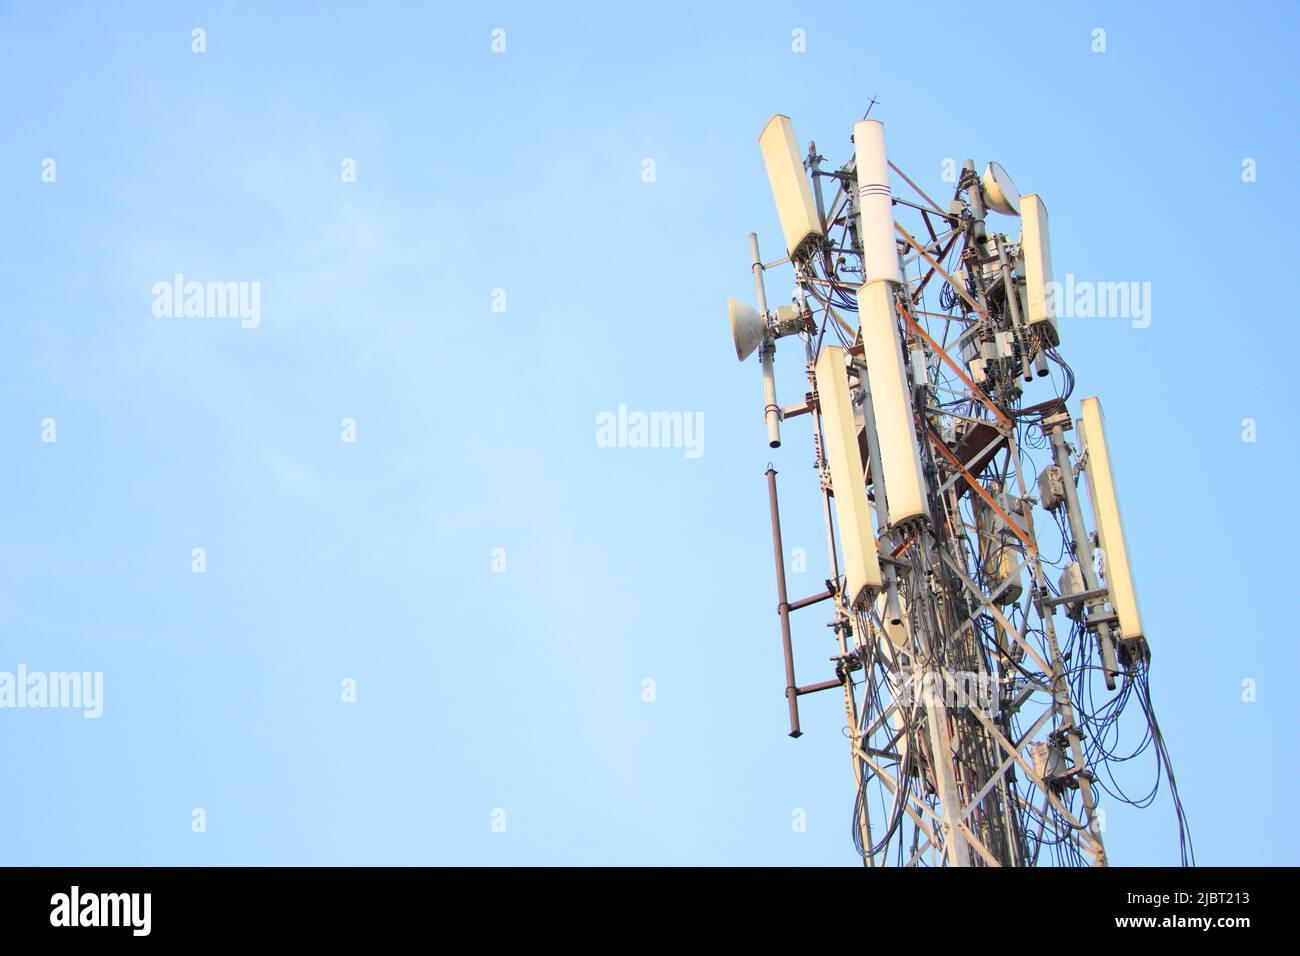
1000, 191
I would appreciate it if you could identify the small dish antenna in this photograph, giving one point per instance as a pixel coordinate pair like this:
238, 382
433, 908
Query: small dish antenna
748, 329
1000, 192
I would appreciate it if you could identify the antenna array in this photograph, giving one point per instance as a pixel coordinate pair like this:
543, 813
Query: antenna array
987, 642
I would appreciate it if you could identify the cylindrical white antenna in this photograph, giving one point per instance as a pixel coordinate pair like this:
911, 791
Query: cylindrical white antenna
875, 204
900, 457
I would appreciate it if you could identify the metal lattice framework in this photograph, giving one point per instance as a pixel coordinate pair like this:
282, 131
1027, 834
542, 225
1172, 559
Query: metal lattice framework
981, 705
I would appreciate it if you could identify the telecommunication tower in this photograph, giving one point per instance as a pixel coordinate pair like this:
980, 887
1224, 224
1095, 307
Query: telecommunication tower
985, 679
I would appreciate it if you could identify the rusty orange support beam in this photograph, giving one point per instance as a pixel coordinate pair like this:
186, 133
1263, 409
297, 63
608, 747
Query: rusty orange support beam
956, 287
975, 389
937, 441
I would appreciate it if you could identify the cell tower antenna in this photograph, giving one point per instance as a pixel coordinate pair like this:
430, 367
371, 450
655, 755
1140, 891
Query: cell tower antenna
985, 684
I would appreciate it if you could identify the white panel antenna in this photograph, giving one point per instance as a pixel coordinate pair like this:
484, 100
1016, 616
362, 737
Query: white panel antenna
1110, 526
844, 458
1036, 248
895, 426
790, 190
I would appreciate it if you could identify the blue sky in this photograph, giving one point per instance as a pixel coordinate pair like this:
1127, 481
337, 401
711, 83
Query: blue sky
475, 429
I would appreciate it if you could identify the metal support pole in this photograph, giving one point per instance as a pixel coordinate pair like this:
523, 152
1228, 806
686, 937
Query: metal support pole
1060, 688
1013, 301
771, 408
1083, 551
783, 606
945, 778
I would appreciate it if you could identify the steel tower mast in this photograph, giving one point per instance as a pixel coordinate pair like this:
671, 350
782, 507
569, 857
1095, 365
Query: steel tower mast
984, 677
